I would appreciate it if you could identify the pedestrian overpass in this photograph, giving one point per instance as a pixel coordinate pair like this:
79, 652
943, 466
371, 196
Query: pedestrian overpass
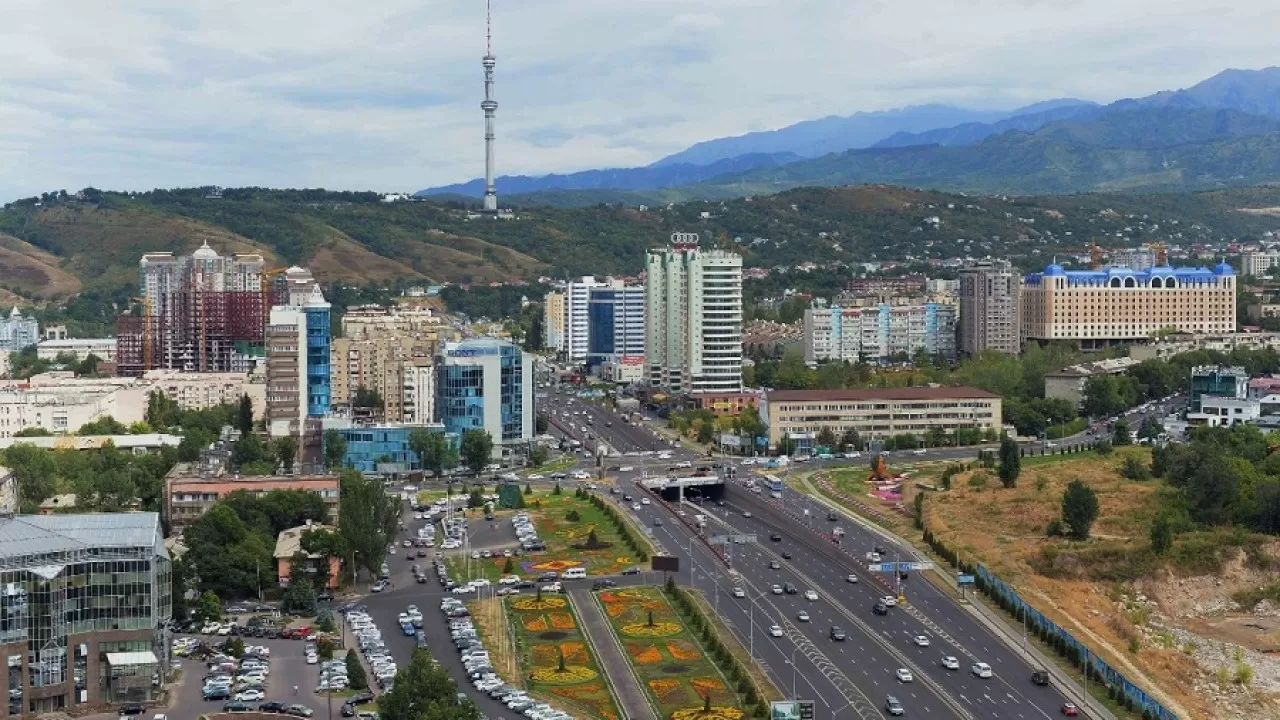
694, 485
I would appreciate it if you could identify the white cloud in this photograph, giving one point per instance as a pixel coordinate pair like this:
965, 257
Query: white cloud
384, 94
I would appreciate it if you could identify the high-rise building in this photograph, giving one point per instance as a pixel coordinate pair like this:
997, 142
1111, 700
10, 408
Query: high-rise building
487, 383
1258, 264
1134, 258
553, 314
989, 293
17, 332
198, 312
85, 602
369, 322
693, 317
378, 364
418, 391
880, 331
615, 324
577, 296
1097, 308
298, 365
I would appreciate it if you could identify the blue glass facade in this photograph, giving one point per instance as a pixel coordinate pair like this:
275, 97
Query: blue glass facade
601, 326
319, 388
510, 362
481, 384
460, 401
367, 445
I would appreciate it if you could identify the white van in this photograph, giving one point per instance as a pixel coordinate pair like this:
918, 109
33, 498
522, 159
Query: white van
576, 573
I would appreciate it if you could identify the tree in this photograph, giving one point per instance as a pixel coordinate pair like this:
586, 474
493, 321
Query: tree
208, 607
355, 671
826, 437
35, 471
335, 449
367, 518
537, 456
1010, 462
432, 449
286, 451
105, 425
475, 499
477, 449
786, 446
706, 431
300, 597
1161, 534
1079, 509
424, 691
244, 415
1120, 433
850, 440
368, 398
1150, 429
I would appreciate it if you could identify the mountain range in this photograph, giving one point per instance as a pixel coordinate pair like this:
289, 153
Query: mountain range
1220, 132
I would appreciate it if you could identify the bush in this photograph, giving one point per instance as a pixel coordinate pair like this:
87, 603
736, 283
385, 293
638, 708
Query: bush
1055, 528
1134, 469
573, 516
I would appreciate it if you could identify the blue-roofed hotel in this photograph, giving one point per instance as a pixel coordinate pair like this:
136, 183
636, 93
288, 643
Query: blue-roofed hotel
1112, 305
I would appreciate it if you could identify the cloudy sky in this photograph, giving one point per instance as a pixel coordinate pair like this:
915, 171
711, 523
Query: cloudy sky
384, 94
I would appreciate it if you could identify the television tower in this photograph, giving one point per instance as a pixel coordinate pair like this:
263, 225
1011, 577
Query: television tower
490, 107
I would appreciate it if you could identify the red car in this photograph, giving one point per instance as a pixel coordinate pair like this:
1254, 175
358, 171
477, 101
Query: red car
1070, 709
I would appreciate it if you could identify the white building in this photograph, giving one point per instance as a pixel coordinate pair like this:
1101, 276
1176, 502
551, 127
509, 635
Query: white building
577, 298
67, 409
880, 331
693, 322
1218, 411
196, 391
17, 332
1259, 264
616, 335
1136, 259
81, 348
418, 398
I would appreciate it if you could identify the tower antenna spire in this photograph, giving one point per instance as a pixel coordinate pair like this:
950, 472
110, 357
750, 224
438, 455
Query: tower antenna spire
490, 107
488, 27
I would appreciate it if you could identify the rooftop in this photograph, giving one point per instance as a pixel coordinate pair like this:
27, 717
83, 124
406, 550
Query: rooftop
289, 541
915, 393
23, 535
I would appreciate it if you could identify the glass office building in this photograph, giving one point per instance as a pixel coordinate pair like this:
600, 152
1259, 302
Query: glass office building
84, 600
319, 388
485, 383
386, 446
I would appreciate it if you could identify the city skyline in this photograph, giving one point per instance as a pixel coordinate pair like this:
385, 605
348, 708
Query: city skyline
385, 98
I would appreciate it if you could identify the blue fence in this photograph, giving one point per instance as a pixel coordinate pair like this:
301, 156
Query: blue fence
1142, 702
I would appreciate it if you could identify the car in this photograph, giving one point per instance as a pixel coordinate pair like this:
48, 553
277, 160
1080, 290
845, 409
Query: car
789, 589
644, 501
811, 595
775, 630
131, 709
889, 600
632, 571
982, 670
950, 662
312, 658
1070, 710
918, 451
851, 578
603, 583
921, 640
272, 707
776, 589
299, 711
802, 616
250, 695
657, 522
893, 706
1040, 677
775, 537
746, 513
775, 565
904, 675
537, 476
237, 706
635, 506
739, 592
786, 555
217, 693
837, 634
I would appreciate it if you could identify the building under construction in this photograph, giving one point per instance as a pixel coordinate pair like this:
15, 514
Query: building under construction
199, 313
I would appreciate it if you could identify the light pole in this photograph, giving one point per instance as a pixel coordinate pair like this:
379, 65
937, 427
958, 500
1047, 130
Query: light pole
793, 672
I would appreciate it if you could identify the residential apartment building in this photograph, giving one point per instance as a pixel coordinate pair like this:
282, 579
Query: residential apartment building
877, 332
196, 391
886, 285
1136, 259
298, 357
577, 298
553, 315
989, 306
66, 407
1259, 264
879, 413
17, 332
190, 489
1100, 307
80, 348
487, 383
693, 317
370, 322
418, 391
1068, 383
84, 603
380, 364
615, 330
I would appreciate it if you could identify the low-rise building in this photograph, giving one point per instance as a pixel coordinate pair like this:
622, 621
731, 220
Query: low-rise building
8, 492
81, 348
17, 332
1216, 381
1263, 386
289, 544
191, 489
136, 444
85, 601
880, 413
724, 403
1218, 411
65, 407
196, 391
381, 449
1176, 344
1259, 264
1068, 383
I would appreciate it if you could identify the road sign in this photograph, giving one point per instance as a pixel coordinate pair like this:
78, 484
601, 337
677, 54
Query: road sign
791, 710
899, 567
731, 539
964, 579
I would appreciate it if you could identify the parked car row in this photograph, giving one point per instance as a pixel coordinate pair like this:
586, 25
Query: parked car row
369, 640
479, 669
526, 533
240, 682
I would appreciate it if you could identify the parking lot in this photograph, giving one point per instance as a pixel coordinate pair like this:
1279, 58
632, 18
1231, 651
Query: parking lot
288, 668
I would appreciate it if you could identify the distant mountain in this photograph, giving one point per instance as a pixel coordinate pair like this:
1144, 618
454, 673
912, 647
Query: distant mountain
643, 178
813, 138
1031, 120
1251, 91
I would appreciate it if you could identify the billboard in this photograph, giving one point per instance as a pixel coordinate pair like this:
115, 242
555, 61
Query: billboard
665, 563
730, 440
632, 359
791, 710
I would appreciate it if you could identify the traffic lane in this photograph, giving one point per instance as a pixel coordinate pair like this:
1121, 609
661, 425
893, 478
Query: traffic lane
970, 640
863, 662
385, 608
289, 668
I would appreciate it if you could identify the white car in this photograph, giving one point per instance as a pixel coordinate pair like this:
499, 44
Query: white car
508, 580
644, 501
811, 596
250, 695
950, 662
739, 592
851, 578
904, 675
982, 670
776, 589
889, 600
635, 506
918, 451
464, 590
537, 476
626, 468
312, 658
480, 582
802, 616
391, 550
775, 631
921, 640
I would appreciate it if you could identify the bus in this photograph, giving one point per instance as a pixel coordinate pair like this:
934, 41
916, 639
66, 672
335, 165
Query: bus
774, 483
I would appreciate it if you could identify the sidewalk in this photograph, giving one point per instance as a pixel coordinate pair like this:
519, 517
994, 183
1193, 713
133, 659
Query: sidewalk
633, 703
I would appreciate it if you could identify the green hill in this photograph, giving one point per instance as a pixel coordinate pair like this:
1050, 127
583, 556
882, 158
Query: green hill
57, 246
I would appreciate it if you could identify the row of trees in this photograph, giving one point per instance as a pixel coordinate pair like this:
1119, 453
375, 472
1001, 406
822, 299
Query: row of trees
107, 479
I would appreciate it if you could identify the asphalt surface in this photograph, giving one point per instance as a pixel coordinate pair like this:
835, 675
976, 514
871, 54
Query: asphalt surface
288, 668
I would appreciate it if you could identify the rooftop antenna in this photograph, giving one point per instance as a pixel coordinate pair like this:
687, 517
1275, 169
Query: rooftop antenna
490, 107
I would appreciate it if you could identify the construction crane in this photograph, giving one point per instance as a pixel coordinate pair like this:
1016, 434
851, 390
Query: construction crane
1162, 252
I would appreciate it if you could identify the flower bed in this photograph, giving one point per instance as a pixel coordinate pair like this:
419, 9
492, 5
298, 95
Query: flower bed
555, 658
666, 657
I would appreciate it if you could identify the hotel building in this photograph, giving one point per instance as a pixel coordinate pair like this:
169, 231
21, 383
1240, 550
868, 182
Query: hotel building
1099, 307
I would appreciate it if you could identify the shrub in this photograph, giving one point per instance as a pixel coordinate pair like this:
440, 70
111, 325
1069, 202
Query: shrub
1054, 528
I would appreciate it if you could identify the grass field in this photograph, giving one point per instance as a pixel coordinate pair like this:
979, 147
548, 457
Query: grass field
564, 538
671, 664
555, 657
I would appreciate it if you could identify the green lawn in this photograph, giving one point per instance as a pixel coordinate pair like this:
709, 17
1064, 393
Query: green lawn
670, 663
555, 658
564, 462
550, 514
